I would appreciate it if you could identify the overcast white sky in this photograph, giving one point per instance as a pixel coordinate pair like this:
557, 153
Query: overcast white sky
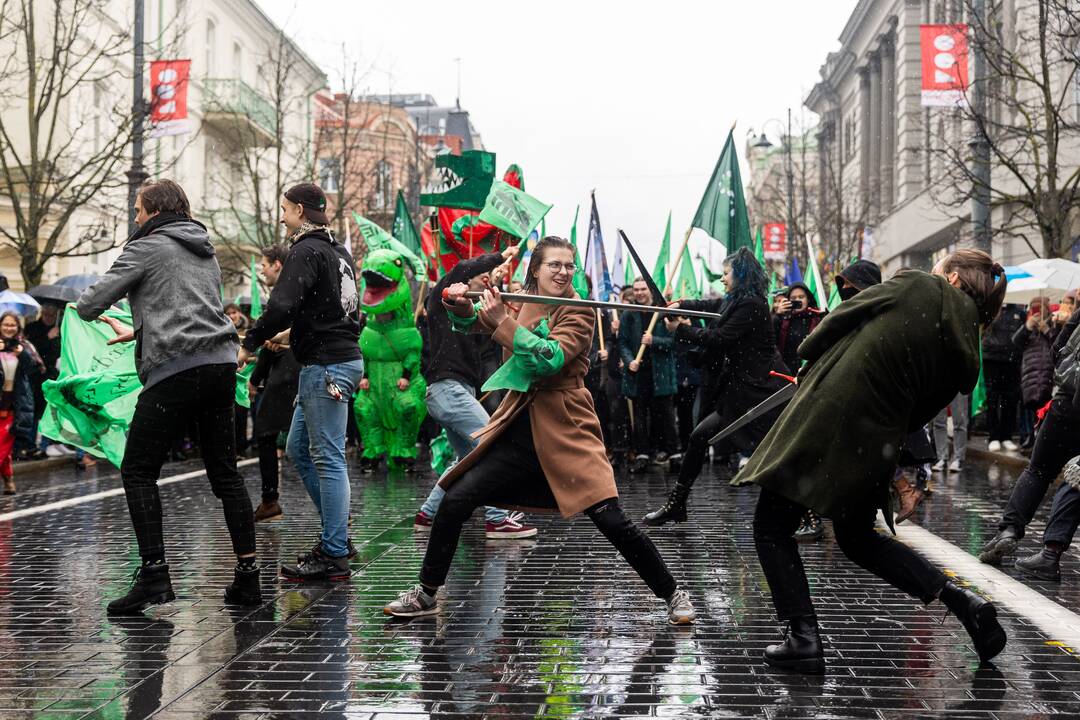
631, 99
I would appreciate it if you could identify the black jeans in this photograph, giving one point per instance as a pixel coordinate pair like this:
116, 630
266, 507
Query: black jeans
205, 394
268, 466
654, 422
743, 440
685, 399
1057, 441
776, 518
510, 474
1002, 398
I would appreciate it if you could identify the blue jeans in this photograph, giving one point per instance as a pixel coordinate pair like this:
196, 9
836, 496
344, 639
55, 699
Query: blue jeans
454, 406
316, 446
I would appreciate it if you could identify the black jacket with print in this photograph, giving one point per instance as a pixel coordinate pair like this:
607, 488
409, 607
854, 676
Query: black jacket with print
316, 296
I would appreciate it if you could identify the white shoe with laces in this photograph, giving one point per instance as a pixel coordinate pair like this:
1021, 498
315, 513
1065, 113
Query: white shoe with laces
1010, 445
414, 602
680, 609
994, 446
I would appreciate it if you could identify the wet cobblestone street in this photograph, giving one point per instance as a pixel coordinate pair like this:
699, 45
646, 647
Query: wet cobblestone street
557, 626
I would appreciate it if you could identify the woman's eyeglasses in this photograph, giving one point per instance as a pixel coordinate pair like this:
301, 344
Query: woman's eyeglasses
555, 266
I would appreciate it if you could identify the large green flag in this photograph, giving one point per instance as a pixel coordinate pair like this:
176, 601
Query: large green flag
759, 249
579, 283
978, 395
774, 283
375, 237
256, 297
404, 230
659, 273
512, 210
687, 285
813, 280
91, 403
834, 297
722, 211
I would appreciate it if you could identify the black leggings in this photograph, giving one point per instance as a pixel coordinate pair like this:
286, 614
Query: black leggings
743, 440
268, 466
1057, 441
776, 518
205, 394
510, 474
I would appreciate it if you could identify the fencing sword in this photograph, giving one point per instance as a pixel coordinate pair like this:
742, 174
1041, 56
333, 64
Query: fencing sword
777, 399
580, 302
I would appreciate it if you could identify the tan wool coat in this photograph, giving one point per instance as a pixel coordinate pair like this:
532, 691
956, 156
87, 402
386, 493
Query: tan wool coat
565, 429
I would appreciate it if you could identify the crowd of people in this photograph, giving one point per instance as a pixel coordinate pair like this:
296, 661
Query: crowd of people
540, 403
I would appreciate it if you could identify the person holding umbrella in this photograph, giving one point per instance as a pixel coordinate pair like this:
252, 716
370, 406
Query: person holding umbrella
17, 366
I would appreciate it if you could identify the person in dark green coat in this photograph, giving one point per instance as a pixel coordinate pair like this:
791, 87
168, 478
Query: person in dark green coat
880, 365
649, 383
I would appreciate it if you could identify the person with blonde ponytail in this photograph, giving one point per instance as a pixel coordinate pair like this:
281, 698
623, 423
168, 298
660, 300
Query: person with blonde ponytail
879, 366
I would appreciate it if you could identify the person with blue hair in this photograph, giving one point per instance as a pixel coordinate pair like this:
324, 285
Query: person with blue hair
738, 353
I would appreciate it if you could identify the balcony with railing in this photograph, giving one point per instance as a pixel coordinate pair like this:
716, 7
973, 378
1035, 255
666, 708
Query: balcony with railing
239, 111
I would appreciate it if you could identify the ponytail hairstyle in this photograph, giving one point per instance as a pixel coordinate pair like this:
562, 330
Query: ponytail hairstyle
537, 259
981, 279
749, 277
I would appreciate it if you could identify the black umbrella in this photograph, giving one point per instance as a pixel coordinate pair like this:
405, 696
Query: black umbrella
62, 294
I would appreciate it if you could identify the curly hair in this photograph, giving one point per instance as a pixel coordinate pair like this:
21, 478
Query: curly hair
748, 275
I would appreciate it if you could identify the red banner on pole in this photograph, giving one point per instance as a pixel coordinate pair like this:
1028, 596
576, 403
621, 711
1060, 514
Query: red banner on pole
944, 65
168, 97
774, 241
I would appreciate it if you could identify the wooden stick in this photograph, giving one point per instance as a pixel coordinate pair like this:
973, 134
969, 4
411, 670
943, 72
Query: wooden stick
420, 297
600, 328
667, 286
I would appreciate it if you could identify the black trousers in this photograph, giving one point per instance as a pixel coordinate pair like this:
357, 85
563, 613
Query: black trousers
268, 466
776, 518
510, 474
684, 413
1002, 398
1057, 441
654, 424
206, 395
743, 440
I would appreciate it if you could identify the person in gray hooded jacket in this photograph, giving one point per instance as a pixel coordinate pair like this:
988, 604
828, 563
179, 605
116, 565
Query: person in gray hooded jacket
185, 356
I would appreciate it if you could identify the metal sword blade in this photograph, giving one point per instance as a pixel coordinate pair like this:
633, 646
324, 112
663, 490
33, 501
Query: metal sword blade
778, 398
579, 302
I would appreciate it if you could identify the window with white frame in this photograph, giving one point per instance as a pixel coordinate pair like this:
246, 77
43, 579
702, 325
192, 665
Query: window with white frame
330, 174
211, 45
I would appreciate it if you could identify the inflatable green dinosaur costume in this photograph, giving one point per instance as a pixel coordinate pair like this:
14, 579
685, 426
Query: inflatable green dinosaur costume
390, 404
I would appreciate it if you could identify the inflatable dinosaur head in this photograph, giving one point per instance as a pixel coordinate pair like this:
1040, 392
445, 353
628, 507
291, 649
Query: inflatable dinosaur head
384, 288
464, 180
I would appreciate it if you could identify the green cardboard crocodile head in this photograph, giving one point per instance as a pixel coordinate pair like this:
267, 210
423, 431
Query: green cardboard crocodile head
383, 285
464, 180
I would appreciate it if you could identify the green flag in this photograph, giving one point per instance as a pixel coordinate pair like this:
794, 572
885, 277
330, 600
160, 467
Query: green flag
375, 237
578, 281
978, 395
91, 403
659, 273
404, 230
759, 248
722, 211
256, 297
629, 272
512, 210
834, 296
774, 283
687, 286
813, 280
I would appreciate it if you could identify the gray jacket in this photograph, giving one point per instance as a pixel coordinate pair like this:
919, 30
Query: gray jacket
170, 275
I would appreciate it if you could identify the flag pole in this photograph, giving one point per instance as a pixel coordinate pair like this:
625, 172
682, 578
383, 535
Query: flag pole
420, 297
667, 286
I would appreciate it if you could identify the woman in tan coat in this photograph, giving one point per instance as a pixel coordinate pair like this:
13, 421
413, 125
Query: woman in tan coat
543, 449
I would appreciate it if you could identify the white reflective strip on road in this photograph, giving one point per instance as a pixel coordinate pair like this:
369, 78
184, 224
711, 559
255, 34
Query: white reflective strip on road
71, 502
1058, 623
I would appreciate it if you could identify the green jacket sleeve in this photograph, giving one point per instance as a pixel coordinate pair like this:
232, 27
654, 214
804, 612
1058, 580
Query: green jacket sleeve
463, 324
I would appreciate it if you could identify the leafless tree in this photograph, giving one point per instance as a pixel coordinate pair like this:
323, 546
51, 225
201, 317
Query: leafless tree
1030, 124
65, 128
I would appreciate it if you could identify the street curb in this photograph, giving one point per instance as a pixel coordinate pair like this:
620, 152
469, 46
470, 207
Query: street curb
46, 464
1018, 462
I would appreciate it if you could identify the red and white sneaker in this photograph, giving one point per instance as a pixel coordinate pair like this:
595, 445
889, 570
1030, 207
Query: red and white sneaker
423, 521
511, 528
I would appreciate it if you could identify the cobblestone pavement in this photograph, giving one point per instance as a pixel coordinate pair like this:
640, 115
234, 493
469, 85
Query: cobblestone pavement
552, 627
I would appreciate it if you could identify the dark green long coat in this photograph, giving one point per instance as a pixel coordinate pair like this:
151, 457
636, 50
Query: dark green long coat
661, 354
879, 366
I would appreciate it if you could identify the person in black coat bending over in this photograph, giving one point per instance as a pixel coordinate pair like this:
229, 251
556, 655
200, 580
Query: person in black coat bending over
744, 336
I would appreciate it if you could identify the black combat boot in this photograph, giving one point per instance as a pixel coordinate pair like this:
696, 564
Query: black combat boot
152, 586
244, 589
674, 510
979, 617
1045, 564
993, 552
801, 650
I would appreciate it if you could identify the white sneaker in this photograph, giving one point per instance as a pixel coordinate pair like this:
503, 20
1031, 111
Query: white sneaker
1010, 445
994, 446
954, 466
54, 451
938, 466
743, 460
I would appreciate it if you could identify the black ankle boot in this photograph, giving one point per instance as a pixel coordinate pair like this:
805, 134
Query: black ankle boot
674, 510
801, 650
152, 586
979, 617
244, 589
1045, 564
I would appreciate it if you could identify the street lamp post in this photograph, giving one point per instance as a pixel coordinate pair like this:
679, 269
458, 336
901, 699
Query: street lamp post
789, 170
137, 174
